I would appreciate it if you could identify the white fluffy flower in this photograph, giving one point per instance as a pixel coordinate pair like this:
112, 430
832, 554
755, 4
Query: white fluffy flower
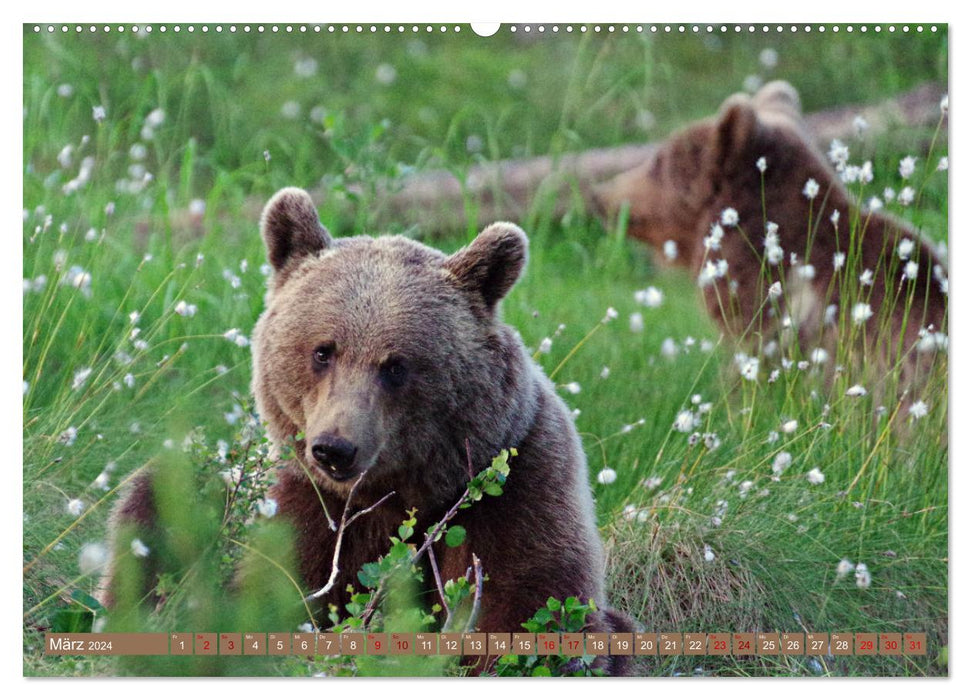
863, 578
918, 409
815, 476
709, 554
685, 421
781, 462
856, 390
606, 476
861, 313
636, 322
775, 290
92, 558
911, 269
729, 217
670, 250
907, 167
652, 297
761, 164
139, 549
545, 345
811, 189
844, 567
267, 507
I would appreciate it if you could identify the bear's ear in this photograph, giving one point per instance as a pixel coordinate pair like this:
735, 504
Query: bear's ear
734, 128
291, 228
778, 97
490, 265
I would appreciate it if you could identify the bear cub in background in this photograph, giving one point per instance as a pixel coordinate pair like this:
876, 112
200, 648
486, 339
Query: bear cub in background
744, 200
386, 364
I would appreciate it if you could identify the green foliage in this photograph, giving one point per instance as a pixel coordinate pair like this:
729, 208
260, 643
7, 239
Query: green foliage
569, 615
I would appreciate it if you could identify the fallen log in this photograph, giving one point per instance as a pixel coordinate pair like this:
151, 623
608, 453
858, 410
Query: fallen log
437, 201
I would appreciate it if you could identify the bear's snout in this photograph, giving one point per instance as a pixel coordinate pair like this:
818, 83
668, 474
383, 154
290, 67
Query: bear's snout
334, 455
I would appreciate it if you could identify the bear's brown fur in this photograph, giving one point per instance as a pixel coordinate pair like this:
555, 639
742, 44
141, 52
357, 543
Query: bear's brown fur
711, 166
385, 361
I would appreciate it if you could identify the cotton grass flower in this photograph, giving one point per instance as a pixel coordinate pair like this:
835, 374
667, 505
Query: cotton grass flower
139, 549
918, 410
652, 297
906, 196
685, 421
708, 553
669, 348
75, 506
863, 577
861, 313
729, 217
905, 249
781, 463
267, 507
98, 113
572, 387
68, 436
80, 377
911, 269
856, 391
839, 259
713, 241
610, 315
761, 164
185, 309
844, 567
790, 426
942, 164
811, 189
775, 290
606, 476
545, 345
907, 167
92, 558
815, 476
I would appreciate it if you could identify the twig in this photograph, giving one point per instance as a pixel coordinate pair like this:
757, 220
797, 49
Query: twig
477, 596
438, 581
345, 522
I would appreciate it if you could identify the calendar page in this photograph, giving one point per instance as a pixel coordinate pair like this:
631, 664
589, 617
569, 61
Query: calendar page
470, 350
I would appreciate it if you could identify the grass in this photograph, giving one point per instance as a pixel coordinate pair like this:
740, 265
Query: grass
372, 107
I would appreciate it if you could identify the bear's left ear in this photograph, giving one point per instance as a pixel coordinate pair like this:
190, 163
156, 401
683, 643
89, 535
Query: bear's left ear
736, 124
291, 228
490, 265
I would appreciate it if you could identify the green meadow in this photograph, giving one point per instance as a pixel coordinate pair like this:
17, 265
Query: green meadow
726, 502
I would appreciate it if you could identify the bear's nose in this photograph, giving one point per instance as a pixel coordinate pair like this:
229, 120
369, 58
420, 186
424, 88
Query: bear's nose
335, 455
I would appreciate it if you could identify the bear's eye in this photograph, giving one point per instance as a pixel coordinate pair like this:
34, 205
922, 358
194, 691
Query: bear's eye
323, 355
393, 373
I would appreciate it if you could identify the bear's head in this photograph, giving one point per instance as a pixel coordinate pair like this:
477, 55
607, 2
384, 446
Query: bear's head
378, 355
712, 164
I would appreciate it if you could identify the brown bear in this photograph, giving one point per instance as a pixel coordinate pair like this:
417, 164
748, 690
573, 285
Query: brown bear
386, 364
744, 200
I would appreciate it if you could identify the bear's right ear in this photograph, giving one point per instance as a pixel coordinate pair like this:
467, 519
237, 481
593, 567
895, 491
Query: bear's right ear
291, 228
490, 265
736, 124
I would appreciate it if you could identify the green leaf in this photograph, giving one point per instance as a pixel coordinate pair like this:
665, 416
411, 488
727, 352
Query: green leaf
455, 536
405, 531
553, 604
541, 671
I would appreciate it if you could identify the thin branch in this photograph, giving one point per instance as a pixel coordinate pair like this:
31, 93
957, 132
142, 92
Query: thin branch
345, 522
438, 581
477, 597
